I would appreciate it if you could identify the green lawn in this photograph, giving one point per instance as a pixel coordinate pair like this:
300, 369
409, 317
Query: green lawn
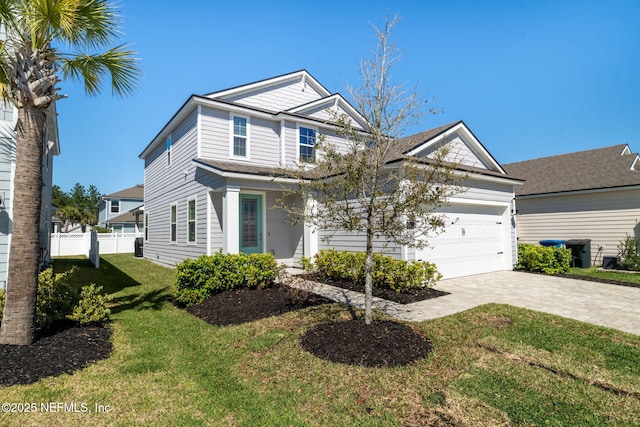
609, 275
493, 365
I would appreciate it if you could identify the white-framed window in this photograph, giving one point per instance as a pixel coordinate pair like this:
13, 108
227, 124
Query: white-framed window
191, 221
146, 226
173, 224
239, 143
307, 144
169, 150
115, 206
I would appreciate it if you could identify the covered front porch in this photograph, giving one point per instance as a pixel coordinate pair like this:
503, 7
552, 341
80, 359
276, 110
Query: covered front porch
243, 216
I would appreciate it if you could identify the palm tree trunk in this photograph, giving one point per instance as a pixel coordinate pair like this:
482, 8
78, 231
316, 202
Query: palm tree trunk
18, 322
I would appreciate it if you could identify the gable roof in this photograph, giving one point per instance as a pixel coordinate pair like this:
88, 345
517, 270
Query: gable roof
225, 99
601, 168
413, 144
135, 192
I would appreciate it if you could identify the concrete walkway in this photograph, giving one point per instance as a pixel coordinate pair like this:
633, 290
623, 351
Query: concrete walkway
598, 303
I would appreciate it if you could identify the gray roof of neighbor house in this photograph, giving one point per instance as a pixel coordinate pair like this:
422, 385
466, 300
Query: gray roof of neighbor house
135, 192
602, 168
127, 217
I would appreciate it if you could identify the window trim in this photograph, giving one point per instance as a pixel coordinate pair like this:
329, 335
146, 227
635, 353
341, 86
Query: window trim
232, 136
298, 144
169, 145
117, 206
146, 226
173, 222
194, 220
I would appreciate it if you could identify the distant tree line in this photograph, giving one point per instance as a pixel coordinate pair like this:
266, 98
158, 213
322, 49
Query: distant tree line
78, 206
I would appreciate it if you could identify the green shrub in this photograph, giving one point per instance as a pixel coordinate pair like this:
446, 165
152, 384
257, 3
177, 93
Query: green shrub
58, 301
100, 229
56, 298
543, 259
92, 307
198, 279
3, 296
388, 272
629, 256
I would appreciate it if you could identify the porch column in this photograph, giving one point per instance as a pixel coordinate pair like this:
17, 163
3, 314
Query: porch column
230, 219
310, 231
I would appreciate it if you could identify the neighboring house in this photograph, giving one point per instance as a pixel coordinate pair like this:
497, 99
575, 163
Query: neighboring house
592, 194
51, 147
121, 211
211, 181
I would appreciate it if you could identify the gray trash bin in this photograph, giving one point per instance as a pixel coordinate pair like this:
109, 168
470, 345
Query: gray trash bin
581, 251
138, 246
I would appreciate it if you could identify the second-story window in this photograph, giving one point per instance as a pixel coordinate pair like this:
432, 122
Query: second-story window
240, 137
307, 145
115, 206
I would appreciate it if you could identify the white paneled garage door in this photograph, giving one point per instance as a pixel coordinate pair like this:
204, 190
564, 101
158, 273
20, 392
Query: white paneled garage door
472, 243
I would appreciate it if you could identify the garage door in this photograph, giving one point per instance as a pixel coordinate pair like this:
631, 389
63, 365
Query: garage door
473, 242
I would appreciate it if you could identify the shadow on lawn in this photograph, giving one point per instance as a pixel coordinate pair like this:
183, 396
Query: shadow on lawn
113, 280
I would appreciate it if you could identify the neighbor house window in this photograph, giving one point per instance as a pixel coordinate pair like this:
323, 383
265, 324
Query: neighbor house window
115, 206
240, 136
174, 224
191, 221
307, 145
146, 226
169, 150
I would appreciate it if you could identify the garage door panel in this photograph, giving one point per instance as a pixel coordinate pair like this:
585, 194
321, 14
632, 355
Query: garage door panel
472, 243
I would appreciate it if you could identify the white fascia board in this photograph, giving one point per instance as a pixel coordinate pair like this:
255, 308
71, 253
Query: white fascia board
273, 81
481, 177
635, 162
475, 202
469, 138
333, 101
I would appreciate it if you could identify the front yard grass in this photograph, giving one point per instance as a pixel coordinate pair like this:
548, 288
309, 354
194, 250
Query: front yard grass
632, 278
493, 365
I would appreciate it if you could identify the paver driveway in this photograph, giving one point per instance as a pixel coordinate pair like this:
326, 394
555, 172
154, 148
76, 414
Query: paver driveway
602, 304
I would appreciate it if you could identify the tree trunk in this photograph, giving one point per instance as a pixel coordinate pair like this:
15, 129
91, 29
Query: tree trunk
18, 322
368, 280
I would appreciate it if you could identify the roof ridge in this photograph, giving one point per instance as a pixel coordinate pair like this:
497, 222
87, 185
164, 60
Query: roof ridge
573, 153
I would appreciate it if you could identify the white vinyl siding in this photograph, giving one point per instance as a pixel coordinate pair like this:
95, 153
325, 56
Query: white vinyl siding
604, 217
279, 97
459, 152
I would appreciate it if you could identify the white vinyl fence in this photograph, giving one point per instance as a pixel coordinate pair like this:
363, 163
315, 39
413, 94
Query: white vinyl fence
68, 244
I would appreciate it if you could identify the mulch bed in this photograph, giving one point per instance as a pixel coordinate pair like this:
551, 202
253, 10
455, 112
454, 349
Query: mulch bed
61, 353
596, 279
381, 344
247, 305
406, 297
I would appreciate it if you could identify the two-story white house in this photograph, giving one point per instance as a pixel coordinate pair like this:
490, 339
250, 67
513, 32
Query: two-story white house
209, 180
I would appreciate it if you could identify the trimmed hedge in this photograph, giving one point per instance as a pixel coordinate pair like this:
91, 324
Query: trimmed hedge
388, 272
543, 259
198, 279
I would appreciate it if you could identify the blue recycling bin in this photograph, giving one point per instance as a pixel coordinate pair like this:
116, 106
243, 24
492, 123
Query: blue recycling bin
553, 243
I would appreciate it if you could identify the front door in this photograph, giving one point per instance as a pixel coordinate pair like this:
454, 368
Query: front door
251, 223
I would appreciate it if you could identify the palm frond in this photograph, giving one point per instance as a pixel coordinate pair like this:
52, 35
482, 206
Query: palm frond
119, 63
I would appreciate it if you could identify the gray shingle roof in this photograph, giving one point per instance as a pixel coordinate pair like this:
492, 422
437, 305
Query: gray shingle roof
584, 170
135, 192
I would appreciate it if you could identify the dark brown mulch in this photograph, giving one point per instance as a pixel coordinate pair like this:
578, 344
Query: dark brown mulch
246, 305
383, 343
406, 297
61, 353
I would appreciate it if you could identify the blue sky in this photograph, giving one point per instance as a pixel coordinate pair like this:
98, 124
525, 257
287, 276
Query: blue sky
529, 78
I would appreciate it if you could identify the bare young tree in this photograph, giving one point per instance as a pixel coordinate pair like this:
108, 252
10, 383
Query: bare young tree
373, 187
